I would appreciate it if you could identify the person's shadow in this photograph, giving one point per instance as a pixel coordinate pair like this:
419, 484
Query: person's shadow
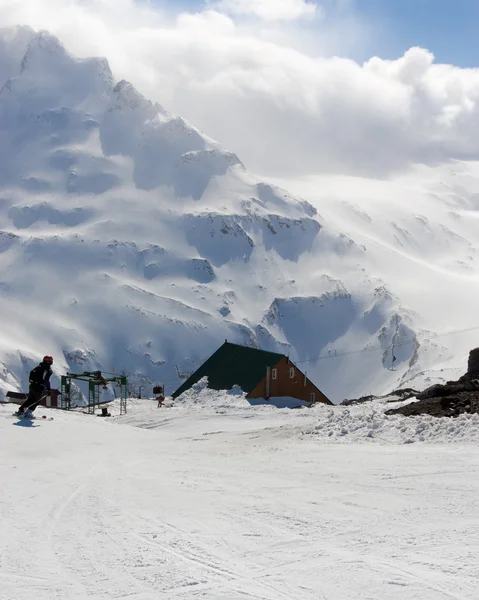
25, 423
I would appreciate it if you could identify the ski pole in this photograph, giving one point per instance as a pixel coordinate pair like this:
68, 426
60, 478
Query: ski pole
36, 401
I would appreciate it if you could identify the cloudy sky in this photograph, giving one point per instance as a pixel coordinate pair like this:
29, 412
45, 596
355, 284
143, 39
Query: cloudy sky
293, 86
447, 27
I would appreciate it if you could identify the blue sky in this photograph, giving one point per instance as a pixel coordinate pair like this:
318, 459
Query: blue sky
448, 28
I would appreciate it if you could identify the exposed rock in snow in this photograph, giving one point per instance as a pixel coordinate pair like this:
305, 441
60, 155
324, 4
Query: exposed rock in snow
451, 399
374, 423
194, 170
473, 363
219, 238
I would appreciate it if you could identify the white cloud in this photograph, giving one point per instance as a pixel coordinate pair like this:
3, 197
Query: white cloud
253, 86
269, 9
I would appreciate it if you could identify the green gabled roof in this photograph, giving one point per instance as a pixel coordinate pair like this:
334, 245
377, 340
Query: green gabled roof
233, 365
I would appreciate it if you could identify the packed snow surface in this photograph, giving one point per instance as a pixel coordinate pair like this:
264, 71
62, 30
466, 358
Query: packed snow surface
212, 498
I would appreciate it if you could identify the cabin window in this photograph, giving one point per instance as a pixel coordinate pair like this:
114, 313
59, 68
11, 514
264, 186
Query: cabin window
274, 374
312, 397
291, 373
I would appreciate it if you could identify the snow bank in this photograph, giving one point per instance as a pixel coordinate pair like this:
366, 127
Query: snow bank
360, 424
200, 396
369, 423
364, 423
221, 401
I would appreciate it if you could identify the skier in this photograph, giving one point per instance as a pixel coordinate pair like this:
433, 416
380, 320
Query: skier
39, 386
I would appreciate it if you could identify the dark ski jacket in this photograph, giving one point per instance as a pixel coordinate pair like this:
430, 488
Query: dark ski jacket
40, 377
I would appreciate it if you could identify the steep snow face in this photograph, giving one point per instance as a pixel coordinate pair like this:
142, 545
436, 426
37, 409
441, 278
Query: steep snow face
13, 46
129, 240
419, 233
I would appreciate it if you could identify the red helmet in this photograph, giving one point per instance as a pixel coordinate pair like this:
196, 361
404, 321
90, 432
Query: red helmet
48, 359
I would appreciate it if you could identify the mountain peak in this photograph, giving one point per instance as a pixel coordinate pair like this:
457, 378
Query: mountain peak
42, 45
85, 160
125, 95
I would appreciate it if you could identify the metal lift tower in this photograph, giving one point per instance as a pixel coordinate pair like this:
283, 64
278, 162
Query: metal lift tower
95, 380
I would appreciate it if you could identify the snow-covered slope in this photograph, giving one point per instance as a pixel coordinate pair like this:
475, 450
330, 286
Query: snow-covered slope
129, 240
419, 232
214, 500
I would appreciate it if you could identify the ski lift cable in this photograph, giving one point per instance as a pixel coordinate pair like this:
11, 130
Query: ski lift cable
392, 345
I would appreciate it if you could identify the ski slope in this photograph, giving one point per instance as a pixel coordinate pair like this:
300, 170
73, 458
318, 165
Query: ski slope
214, 499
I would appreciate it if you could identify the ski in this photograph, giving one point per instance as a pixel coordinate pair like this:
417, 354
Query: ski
34, 418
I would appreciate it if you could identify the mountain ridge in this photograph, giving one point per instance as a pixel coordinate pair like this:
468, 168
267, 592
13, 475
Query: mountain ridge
131, 239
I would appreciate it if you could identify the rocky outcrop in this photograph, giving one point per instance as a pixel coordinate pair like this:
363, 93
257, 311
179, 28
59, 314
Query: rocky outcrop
449, 406
396, 396
450, 399
473, 364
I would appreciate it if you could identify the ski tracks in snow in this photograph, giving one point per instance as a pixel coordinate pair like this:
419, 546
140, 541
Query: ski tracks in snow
102, 511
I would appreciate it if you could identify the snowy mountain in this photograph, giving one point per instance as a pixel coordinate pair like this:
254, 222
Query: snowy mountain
129, 240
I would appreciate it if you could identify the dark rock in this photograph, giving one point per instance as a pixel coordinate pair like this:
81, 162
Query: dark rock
441, 400
438, 390
473, 363
433, 392
471, 386
358, 400
451, 387
445, 406
402, 394
450, 399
